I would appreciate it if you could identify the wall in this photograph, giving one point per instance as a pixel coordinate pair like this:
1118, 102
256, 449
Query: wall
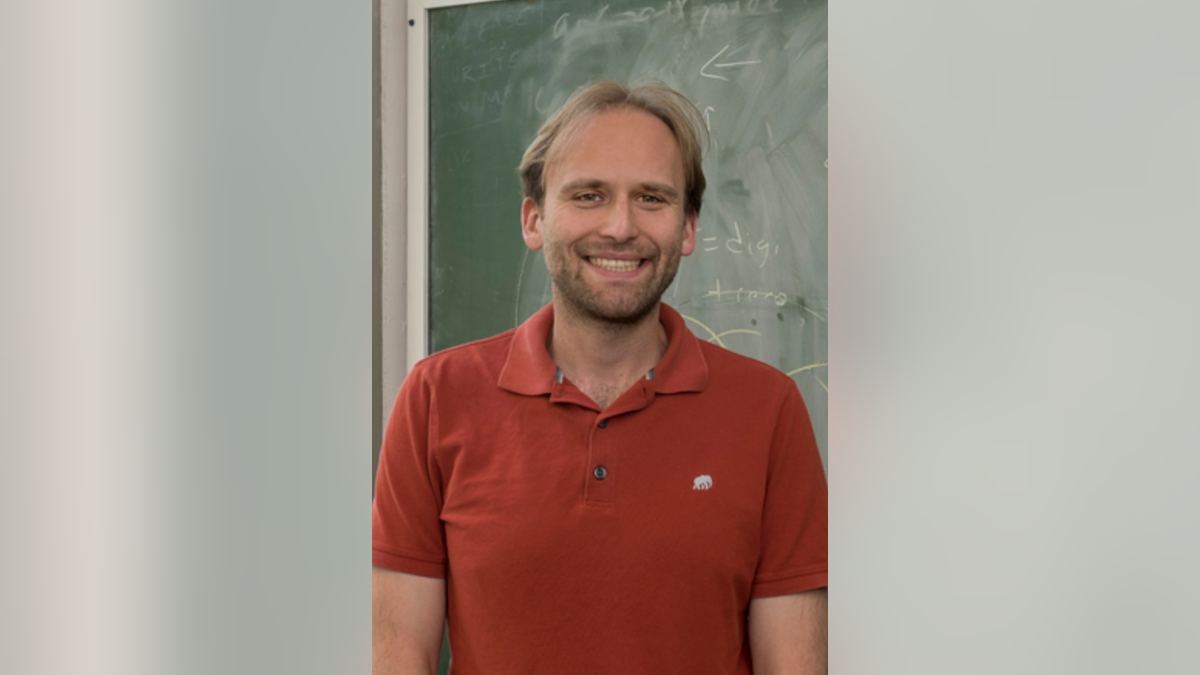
391, 201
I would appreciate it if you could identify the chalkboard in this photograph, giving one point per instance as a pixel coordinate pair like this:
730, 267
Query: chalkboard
757, 282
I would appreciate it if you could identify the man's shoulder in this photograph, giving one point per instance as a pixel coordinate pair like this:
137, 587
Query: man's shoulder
731, 370
469, 361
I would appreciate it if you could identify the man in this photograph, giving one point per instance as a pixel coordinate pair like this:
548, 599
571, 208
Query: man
598, 491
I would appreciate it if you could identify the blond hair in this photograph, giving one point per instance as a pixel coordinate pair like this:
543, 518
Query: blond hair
674, 109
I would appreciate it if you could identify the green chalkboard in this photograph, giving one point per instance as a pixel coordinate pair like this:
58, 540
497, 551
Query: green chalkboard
757, 282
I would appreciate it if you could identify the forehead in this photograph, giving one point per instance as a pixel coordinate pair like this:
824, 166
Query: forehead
619, 143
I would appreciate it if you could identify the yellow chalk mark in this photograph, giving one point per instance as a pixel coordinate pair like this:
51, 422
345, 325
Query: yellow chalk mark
808, 367
715, 338
821, 383
739, 330
813, 313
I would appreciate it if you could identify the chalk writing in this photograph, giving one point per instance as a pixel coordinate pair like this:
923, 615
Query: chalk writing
469, 31
459, 159
812, 367
478, 105
823, 319
671, 10
724, 11
728, 64
563, 24
780, 299
742, 246
715, 336
490, 68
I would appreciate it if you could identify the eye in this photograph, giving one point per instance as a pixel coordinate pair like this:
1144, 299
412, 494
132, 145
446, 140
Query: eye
589, 197
651, 199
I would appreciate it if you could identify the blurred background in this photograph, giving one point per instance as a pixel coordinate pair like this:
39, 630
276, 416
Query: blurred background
190, 348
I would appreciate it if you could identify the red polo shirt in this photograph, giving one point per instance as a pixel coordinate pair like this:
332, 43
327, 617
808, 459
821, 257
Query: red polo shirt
575, 540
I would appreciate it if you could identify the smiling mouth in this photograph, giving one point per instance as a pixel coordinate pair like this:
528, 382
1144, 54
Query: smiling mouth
615, 265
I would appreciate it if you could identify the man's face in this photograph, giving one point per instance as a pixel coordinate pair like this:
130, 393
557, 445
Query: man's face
613, 224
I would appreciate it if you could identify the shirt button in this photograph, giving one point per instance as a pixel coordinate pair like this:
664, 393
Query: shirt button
600, 472
603, 423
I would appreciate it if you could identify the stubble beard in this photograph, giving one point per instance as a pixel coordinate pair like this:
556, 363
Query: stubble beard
603, 306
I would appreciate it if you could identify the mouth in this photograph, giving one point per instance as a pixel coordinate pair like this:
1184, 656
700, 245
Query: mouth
615, 265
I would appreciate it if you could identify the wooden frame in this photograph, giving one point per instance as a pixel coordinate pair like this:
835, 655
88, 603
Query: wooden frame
417, 217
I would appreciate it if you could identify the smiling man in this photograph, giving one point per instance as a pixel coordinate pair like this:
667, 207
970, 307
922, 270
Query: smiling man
598, 491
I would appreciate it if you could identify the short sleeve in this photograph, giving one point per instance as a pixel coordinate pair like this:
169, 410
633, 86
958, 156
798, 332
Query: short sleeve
406, 527
794, 545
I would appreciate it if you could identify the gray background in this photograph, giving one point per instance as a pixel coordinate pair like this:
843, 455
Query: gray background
185, 258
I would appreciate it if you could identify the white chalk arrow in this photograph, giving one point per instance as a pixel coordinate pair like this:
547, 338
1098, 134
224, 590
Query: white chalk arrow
723, 65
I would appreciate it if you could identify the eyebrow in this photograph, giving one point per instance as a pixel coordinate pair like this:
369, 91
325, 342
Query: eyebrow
663, 189
581, 184
591, 184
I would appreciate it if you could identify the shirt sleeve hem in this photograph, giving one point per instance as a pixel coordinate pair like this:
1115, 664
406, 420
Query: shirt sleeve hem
794, 584
400, 563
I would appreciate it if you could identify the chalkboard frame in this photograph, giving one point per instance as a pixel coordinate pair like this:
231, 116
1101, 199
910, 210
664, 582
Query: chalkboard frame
417, 216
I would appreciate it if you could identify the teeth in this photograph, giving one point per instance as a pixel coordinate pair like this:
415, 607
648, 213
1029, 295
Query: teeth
615, 265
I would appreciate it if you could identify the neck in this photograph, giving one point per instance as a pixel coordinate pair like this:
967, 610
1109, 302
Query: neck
603, 358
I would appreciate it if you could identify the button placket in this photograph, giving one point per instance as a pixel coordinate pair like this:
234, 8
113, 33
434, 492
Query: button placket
600, 477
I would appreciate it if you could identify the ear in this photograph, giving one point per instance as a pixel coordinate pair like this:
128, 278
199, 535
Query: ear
689, 232
531, 224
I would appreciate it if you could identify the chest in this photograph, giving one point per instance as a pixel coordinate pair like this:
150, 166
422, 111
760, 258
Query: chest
660, 491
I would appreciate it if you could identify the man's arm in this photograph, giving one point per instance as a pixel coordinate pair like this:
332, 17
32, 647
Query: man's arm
409, 613
788, 634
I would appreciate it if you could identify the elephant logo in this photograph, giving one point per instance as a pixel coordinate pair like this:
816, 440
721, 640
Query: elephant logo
702, 482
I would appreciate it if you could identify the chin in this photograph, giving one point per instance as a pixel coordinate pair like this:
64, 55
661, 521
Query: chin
607, 305
624, 313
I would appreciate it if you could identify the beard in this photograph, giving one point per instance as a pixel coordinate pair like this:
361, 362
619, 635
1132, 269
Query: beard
615, 303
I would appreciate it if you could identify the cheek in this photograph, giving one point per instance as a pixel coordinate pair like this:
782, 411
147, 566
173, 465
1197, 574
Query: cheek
565, 232
554, 247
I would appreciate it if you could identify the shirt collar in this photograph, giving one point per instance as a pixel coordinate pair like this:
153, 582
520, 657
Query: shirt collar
528, 369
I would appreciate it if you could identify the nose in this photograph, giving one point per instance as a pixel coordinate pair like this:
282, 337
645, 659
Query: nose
620, 223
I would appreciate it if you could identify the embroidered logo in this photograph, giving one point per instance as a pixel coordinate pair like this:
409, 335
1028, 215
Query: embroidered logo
702, 482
